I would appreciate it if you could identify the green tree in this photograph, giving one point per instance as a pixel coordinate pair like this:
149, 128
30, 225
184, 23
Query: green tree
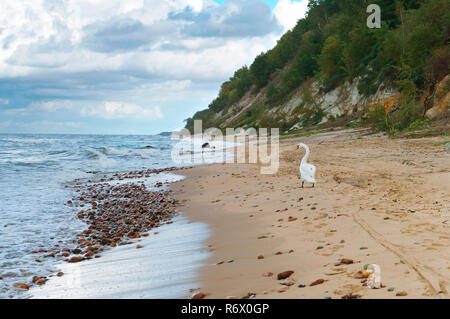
261, 70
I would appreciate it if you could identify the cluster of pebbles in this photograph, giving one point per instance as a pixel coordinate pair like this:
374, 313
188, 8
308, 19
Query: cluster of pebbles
115, 211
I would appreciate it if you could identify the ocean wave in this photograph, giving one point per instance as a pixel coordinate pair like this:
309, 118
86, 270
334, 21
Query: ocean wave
93, 154
58, 152
102, 161
142, 154
30, 140
112, 151
28, 161
11, 152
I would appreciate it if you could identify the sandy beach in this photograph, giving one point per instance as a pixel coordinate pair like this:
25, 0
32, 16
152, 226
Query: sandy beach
377, 201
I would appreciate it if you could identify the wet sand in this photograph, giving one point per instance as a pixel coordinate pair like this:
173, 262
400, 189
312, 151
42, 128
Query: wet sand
165, 267
377, 200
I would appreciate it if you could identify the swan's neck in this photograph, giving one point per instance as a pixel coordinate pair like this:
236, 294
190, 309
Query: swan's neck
305, 157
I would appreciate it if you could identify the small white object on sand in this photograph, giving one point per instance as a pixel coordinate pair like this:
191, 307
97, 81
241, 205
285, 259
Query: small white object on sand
374, 279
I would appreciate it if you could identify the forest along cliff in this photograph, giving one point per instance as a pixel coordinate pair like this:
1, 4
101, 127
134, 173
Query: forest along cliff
332, 69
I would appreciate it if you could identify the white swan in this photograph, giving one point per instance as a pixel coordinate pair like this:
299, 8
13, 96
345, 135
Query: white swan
307, 171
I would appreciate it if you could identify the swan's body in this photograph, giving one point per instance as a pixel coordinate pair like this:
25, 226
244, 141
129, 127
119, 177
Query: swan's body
307, 171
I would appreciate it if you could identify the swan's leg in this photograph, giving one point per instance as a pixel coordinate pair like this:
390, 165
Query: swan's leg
303, 182
313, 185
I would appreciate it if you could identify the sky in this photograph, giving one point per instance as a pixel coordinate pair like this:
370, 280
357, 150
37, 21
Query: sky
126, 67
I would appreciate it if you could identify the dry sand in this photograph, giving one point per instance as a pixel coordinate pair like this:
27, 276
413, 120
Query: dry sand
377, 200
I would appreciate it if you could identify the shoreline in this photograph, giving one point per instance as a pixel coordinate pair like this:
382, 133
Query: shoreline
117, 208
377, 201
148, 259
371, 205
165, 267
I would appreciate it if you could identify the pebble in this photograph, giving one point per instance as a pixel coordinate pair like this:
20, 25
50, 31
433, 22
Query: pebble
401, 294
75, 259
351, 295
359, 275
35, 279
390, 289
301, 286
21, 285
319, 247
198, 295
284, 274
287, 282
346, 261
113, 213
41, 281
317, 282
363, 248
260, 257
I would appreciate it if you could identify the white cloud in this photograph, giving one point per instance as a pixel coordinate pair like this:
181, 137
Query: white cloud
52, 106
107, 110
117, 110
51, 34
43, 106
113, 59
40, 124
288, 12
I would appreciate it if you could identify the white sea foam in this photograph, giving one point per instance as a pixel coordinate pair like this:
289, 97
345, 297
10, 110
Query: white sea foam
151, 181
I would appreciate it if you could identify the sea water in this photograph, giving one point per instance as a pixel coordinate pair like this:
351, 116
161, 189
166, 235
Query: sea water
36, 175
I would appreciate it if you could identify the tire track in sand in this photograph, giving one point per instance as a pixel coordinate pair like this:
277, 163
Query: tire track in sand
436, 285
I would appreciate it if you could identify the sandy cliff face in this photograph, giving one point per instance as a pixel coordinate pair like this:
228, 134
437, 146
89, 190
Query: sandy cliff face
441, 99
306, 100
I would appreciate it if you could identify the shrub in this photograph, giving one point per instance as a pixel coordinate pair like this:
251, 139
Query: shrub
379, 119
